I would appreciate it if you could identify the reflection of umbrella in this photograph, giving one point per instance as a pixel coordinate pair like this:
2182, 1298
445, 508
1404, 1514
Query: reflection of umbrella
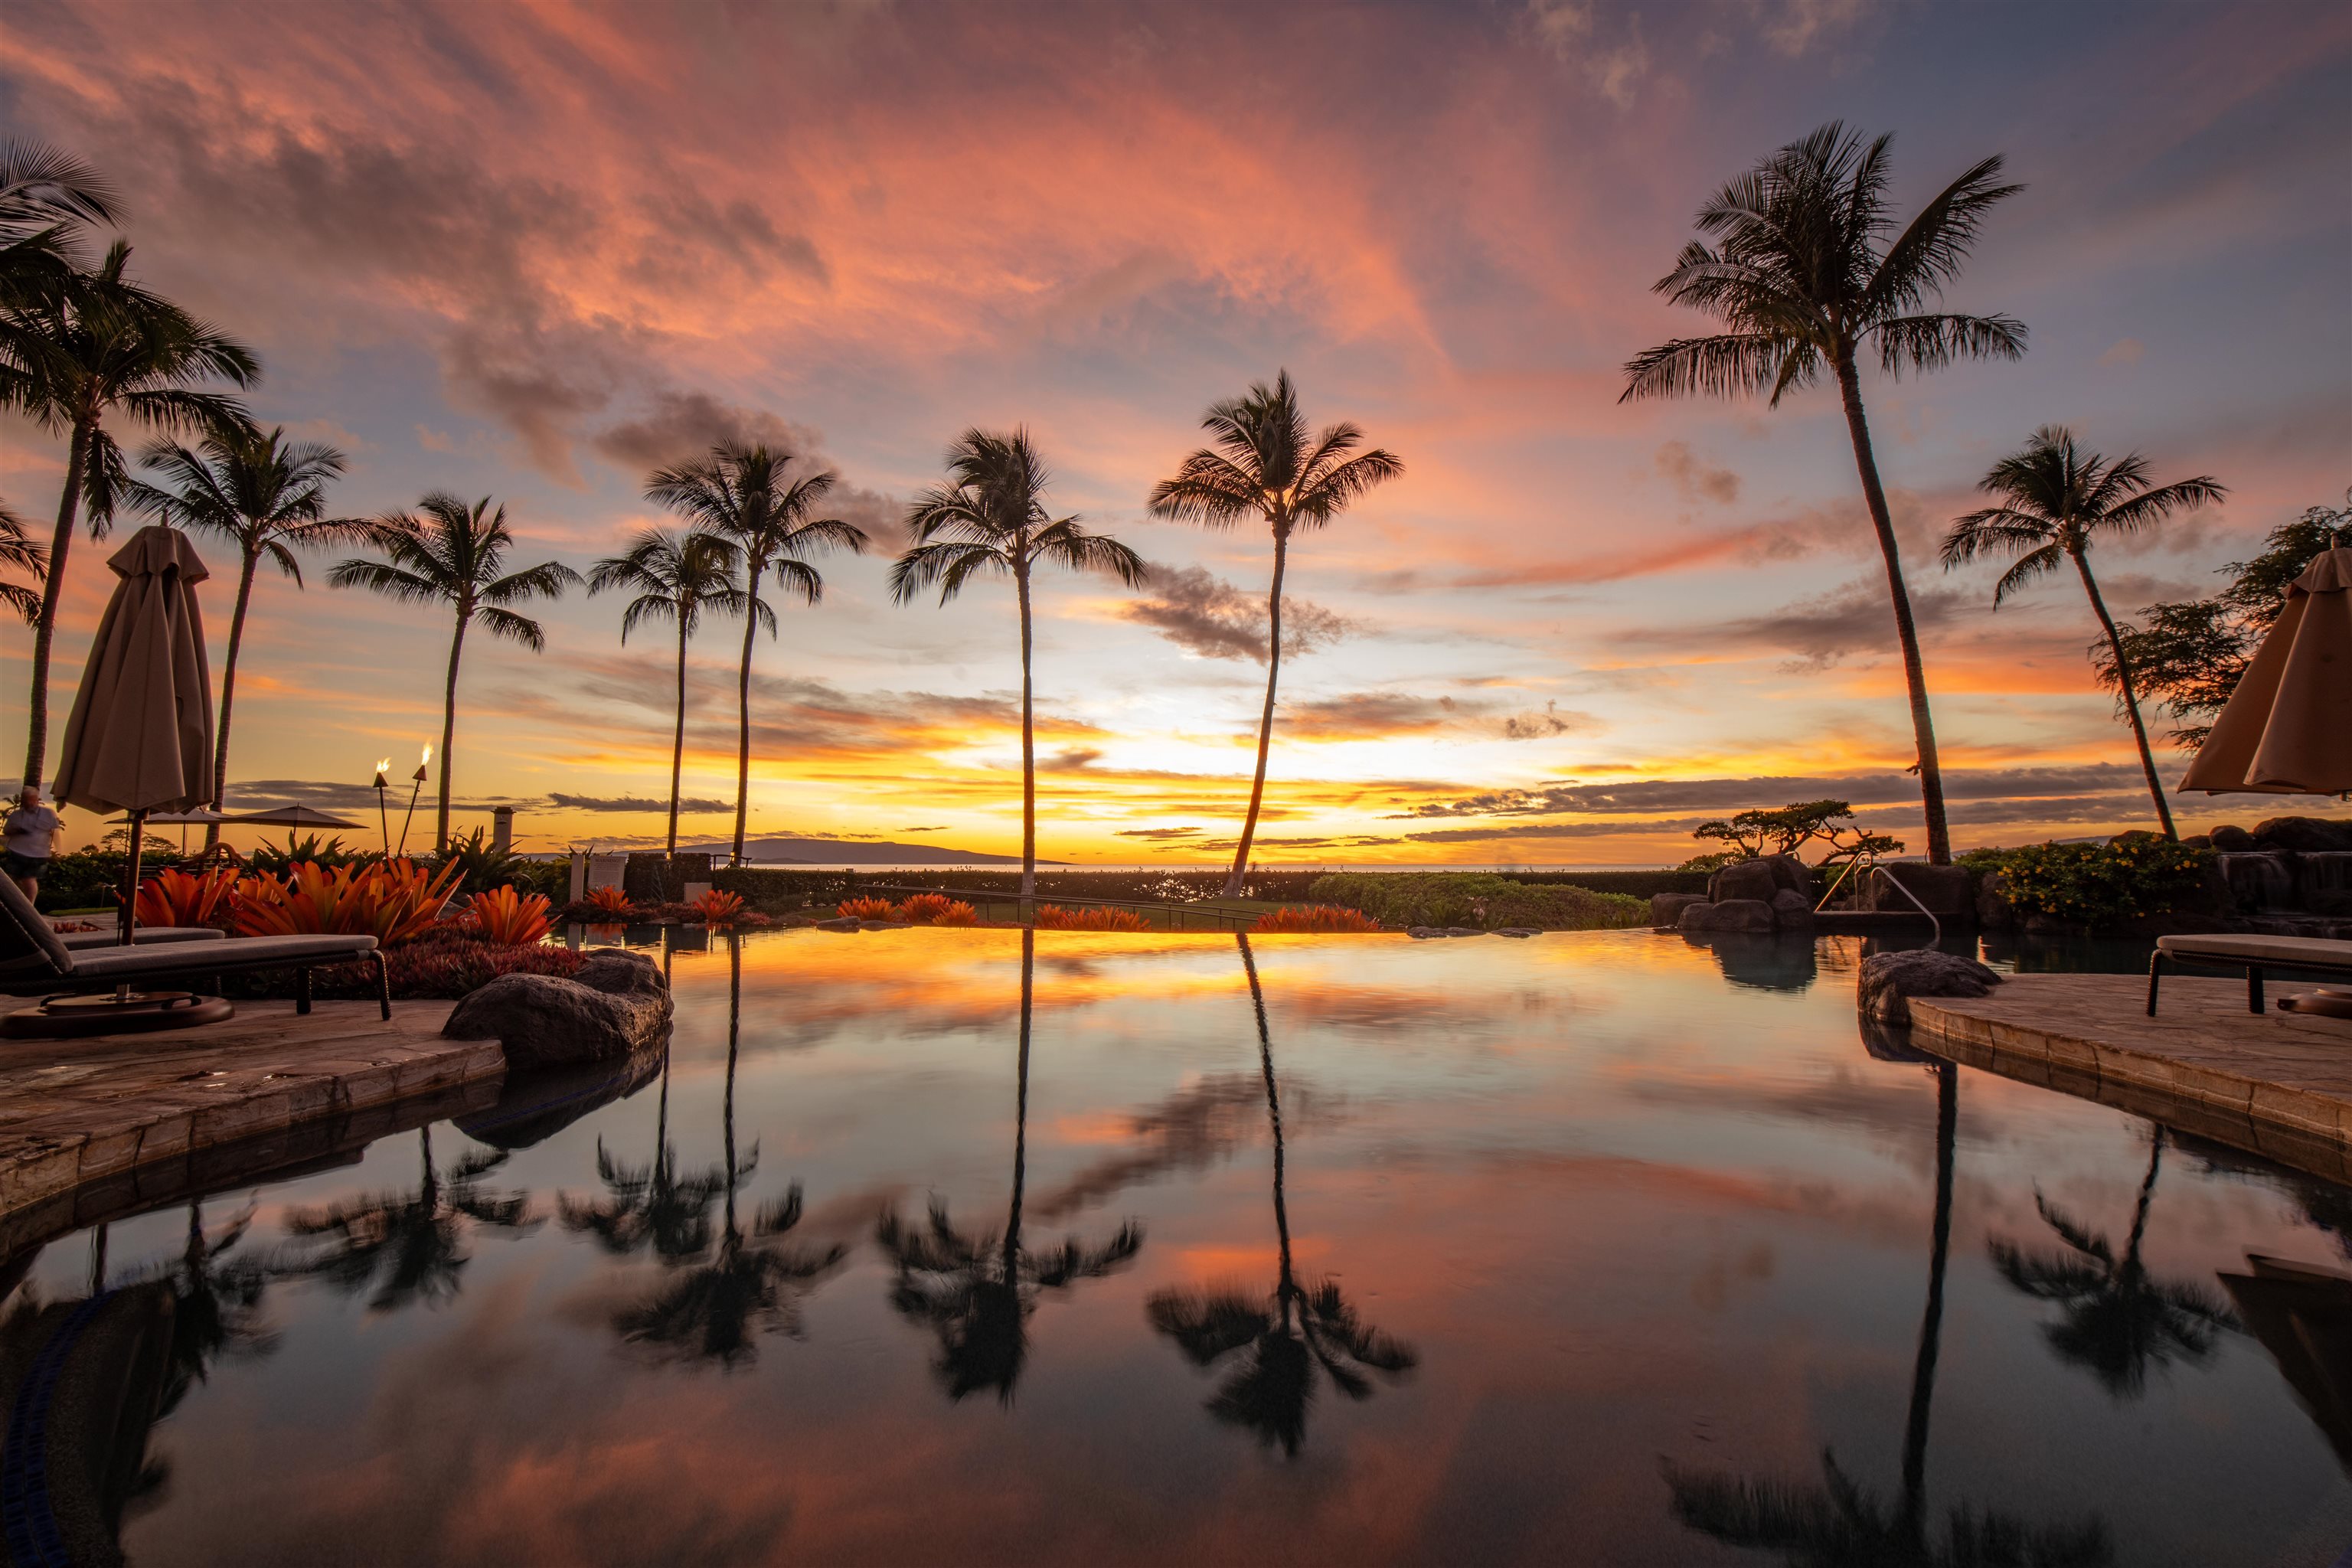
139, 737
2287, 729
287, 816
2302, 1316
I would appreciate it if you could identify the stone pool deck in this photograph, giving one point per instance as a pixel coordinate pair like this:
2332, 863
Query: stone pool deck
2278, 1084
90, 1128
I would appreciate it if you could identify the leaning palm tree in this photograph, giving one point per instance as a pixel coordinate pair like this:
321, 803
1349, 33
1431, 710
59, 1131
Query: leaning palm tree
744, 493
20, 552
95, 351
993, 519
1265, 464
1277, 1343
408, 1246
678, 577
1809, 274
265, 495
2055, 498
977, 1289
451, 554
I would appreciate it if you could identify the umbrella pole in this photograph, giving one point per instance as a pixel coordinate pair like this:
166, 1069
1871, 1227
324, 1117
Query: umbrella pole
131, 878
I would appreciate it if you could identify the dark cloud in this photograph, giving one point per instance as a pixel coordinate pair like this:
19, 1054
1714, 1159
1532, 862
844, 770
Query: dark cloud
927, 827
1693, 477
1368, 715
1070, 760
1646, 796
1532, 725
1204, 615
333, 796
737, 235
1855, 617
635, 802
1158, 834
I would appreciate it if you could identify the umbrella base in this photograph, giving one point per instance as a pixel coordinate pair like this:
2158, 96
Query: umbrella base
136, 1012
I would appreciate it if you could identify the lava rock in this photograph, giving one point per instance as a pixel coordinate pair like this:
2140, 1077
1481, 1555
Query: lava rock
2231, 839
1994, 912
1519, 930
1667, 908
1889, 980
1790, 912
2304, 835
1743, 879
616, 1003
1463, 930
1944, 889
1729, 914
846, 923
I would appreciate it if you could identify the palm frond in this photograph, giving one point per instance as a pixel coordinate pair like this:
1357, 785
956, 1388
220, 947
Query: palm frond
513, 627
1931, 342
1725, 365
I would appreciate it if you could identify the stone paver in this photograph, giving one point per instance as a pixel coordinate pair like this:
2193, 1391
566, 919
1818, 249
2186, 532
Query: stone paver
2279, 1084
109, 1110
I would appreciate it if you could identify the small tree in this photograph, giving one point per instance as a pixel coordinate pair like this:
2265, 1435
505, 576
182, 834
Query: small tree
1786, 829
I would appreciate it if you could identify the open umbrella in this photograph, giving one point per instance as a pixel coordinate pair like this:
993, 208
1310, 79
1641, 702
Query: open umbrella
287, 816
2287, 729
139, 737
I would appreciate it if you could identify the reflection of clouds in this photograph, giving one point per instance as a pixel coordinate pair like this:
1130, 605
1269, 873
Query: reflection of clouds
1185, 1133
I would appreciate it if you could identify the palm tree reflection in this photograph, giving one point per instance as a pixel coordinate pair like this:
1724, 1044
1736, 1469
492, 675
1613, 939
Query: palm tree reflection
410, 1247
648, 1208
1281, 1339
216, 1300
715, 1310
1838, 1523
976, 1290
2117, 1319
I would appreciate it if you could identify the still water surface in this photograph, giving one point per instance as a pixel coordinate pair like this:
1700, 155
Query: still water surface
971, 1246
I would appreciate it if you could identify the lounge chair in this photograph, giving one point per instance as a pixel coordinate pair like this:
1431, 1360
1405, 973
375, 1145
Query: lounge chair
35, 962
2293, 954
81, 941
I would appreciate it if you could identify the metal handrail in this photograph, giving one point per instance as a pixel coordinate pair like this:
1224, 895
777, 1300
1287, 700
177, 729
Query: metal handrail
1867, 862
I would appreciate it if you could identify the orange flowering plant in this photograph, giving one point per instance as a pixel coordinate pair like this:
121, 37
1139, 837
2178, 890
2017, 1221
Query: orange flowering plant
1053, 917
508, 918
1313, 917
718, 908
392, 900
174, 898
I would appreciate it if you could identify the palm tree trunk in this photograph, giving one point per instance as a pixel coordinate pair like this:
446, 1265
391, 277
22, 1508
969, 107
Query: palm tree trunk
1923, 1370
1923, 727
448, 731
228, 693
678, 742
1282, 1285
1266, 720
743, 710
1021, 1112
2139, 1214
2131, 698
1028, 755
37, 705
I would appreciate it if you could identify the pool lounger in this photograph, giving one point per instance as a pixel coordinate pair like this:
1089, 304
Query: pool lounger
2295, 954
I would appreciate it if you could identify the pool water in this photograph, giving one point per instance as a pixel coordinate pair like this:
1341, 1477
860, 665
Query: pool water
979, 1246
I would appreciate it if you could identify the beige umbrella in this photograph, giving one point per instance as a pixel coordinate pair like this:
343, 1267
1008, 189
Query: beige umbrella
2287, 729
140, 735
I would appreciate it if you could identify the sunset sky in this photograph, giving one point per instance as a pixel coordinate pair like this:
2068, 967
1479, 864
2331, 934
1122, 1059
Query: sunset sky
531, 251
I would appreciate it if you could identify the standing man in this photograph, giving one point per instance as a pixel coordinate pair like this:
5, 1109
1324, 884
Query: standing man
32, 833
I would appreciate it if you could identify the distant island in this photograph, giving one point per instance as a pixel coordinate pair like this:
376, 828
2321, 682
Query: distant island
857, 852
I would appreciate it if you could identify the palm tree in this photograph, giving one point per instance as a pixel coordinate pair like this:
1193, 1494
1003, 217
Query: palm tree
708, 1313
977, 1291
742, 492
409, 1246
47, 198
1284, 1338
96, 349
264, 494
2118, 1319
20, 552
649, 1208
452, 554
1263, 464
678, 577
1805, 276
2056, 496
993, 519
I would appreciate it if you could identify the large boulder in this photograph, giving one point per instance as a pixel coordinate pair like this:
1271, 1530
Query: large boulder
1944, 889
1760, 878
2231, 839
1729, 914
1790, 912
616, 1003
2304, 835
1889, 980
1667, 908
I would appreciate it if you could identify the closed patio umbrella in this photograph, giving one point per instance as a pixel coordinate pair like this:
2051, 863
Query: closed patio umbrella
139, 737
2287, 729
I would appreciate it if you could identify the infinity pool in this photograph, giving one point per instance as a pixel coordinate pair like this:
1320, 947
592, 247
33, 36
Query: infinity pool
936, 1247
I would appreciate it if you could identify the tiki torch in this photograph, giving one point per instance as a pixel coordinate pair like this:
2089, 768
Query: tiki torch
419, 777
383, 812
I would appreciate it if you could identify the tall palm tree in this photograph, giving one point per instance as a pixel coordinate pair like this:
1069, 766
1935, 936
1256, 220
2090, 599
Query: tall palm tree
1265, 464
47, 198
2118, 1319
1809, 272
20, 552
410, 1247
744, 493
448, 553
1281, 1340
99, 349
977, 1289
678, 577
992, 519
2056, 496
262, 494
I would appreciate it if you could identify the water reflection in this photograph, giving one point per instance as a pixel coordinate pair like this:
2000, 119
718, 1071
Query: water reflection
712, 1311
1765, 960
409, 1246
976, 1291
2117, 1320
1276, 1344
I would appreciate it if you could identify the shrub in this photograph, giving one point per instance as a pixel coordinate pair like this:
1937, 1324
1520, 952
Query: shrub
611, 902
1053, 917
1478, 899
957, 913
451, 961
2136, 875
1316, 918
866, 910
270, 860
922, 908
507, 918
718, 909
174, 898
481, 868
393, 900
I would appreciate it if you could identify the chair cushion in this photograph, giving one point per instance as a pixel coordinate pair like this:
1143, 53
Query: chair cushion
114, 963
2310, 950
27, 945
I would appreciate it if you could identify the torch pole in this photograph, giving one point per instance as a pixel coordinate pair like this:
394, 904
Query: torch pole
405, 821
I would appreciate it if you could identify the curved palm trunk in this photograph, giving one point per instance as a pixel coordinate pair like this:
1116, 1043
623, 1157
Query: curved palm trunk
1266, 720
2131, 1266
1028, 754
734, 1033
228, 692
2131, 698
448, 731
1912, 1522
1285, 1286
1923, 727
1021, 1114
743, 710
678, 742
37, 704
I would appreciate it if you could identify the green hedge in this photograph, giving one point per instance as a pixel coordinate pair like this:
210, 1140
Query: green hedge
1478, 899
2136, 875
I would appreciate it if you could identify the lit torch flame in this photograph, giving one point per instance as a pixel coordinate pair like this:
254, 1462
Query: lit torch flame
384, 765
